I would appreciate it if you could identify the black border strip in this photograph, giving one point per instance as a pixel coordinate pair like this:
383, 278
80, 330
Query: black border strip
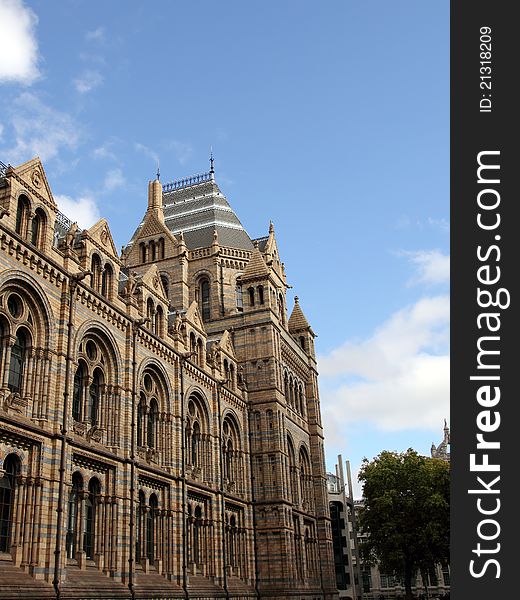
484, 120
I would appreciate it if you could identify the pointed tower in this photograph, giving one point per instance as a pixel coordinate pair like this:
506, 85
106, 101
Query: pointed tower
300, 329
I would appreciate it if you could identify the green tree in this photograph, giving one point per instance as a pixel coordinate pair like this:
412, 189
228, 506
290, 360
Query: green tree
406, 513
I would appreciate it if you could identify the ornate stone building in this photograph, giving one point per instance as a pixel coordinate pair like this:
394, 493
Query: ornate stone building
160, 429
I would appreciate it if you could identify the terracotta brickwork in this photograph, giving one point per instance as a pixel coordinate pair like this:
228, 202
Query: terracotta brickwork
160, 430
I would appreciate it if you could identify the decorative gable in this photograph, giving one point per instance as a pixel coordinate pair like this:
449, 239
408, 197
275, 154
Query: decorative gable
226, 343
153, 227
33, 176
193, 316
100, 234
152, 279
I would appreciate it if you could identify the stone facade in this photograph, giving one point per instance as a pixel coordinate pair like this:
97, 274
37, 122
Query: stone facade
160, 429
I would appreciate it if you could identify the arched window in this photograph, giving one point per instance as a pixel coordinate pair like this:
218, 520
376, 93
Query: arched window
153, 399
96, 369
7, 498
292, 471
193, 343
305, 480
153, 251
226, 369
159, 319
153, 415
72, 538
150, 314
251, 292
197, 449
260, 294
150, 528
106, 281
200, 355
78, 391
141, 509
161, 247
166, 285
17, 364
38, 228
195, 443
95, 267
197, 554
232, 467
281, 309
93, 397
22, 215
232, 541
141, 411
302, 342
142, 250
204, 298
91, 505
240, 298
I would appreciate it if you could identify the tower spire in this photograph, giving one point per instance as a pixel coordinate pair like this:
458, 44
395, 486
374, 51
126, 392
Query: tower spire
211, 161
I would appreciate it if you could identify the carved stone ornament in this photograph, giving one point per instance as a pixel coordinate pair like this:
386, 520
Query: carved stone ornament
94, 434
15, 402
196, 473
104, 236
79, 428
36, 179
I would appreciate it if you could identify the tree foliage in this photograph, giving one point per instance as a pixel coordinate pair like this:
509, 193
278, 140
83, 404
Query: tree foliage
406, 513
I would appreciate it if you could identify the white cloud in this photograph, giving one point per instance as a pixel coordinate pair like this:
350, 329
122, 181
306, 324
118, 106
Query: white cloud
433, 267
182, 151
83, 210
18, 45
87, 81
113, 179
39, 130
95, 35
104, 152
396, 379
1, 130
148, 151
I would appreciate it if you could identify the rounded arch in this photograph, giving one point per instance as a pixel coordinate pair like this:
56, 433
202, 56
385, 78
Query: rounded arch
103, 333
153, 365
196, 393
235, 429
33, 293
303, 451
38, 228
23, 209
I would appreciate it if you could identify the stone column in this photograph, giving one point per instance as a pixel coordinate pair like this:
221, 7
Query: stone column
35, 557
17, 527
27, 522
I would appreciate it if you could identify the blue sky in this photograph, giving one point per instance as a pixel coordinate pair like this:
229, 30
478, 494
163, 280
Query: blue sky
330, 118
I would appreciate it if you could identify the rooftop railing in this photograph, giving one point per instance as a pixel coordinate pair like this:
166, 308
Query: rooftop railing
64, 221
179, 184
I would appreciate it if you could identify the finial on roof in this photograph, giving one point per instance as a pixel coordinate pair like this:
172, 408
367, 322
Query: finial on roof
255, 243
271, 227
211, 161
158, 171
296, 299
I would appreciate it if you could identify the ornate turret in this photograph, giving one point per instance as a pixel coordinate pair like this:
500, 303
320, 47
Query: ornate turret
300, 329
